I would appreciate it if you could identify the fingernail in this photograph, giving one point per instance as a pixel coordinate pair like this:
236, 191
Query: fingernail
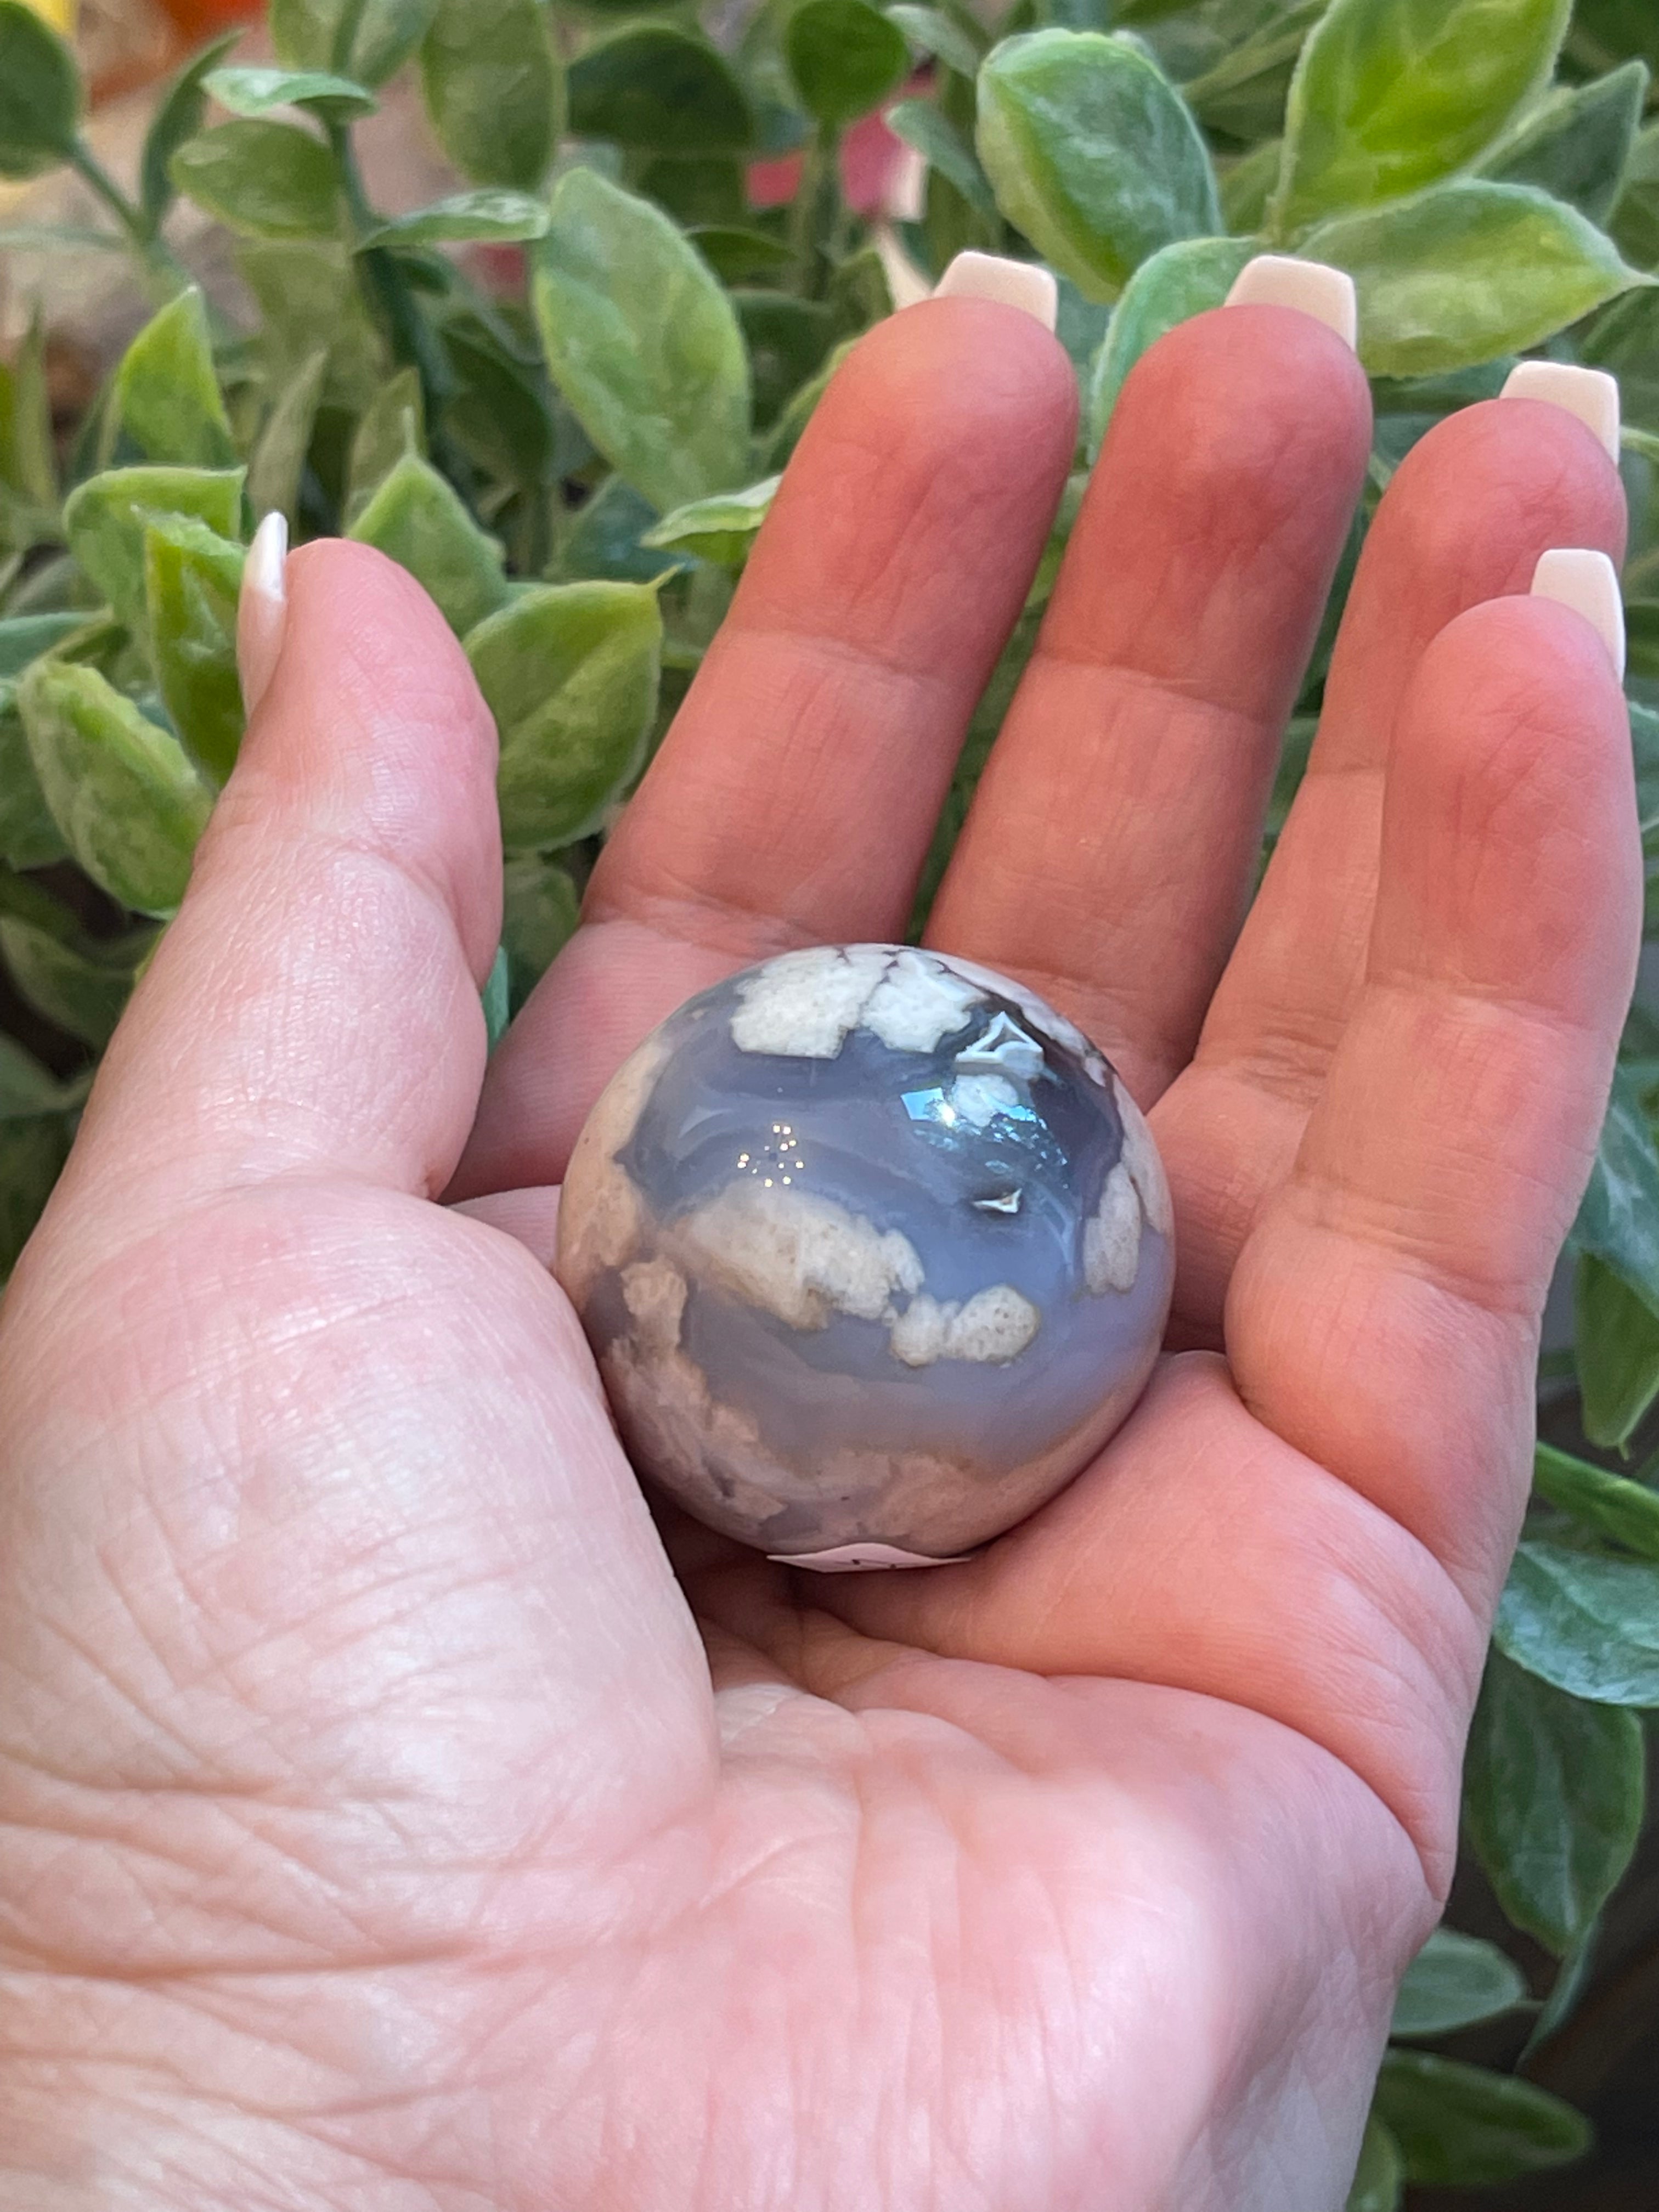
1586, 581
1022, 284
856, 1558
1279, 280
262, 610
1590, 393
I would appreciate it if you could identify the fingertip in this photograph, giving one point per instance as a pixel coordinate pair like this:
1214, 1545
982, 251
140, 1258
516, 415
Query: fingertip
1544, 475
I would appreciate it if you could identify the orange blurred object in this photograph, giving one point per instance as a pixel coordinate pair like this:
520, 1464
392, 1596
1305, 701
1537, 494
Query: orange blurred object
200, 19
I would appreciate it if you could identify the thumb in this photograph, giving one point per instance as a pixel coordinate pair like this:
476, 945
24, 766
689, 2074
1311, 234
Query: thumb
313, 1009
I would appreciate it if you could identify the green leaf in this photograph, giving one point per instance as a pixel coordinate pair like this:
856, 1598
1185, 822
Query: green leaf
720, 529
1589, 1624
27, 1090
81, 988
1636, 218
307, 296
279, 459
192, 581
786, 339
39, 94
177, 117
105, 517
166, 390
264, 180
845, 58
1616, 1354
605, 540
123, 791
256, 91
1618, 1217
1577, 144
24, 638
497, 1011
570, 673
734, 253
1391, 95
539, 910
932, 31
31, 1155
363, 39
418, 519
494, 89
1466, 271
27, 463
642, 342
1381, 2180
1093, 154
1628, 1512
392, 425
1460, 2124
1454, 1981
1243, 92
1178, 282
501, 217
29, 838
926, 127
660, 88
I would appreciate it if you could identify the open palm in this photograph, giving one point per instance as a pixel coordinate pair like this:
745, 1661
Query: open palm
371, 1832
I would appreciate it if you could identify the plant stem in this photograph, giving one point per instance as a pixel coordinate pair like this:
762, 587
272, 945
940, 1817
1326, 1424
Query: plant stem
164, 273
818, 167
413, 341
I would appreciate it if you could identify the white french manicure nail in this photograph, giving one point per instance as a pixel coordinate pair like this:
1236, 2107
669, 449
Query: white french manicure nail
1279, 280
853, 1559
1023, 284
1590, 393
1586, 581
262, 610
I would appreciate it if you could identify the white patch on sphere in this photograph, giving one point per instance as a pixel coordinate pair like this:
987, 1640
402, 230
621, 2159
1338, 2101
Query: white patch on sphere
798, 1257
995, 1325
803, 1004
1111, 1236
1140, 1158
977, 1099
917, 1002
1003, 1049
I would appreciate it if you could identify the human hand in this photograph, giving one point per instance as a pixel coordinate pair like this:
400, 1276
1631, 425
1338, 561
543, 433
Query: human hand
372, 1833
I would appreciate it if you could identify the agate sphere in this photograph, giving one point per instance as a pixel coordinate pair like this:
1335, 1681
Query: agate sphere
874, 1250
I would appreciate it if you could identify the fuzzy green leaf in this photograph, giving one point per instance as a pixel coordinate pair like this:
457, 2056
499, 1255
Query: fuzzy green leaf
924, 125
123, 791
1577, 144
256, 91
642, 342
845, 58
39, 94
82, 987
946, 38
29, 838
570, 673
660, 88
1467, 272
1454, 1981
1093, 154
278, 463
539, 907
1628, 1512
178, 116
494, 89
1615, 1351
167, 389
720, 529
363, 39
28, 466
501, 218
105, 518
1587, 1623
1391, 95
1180, 280
192, 581
264, 180
418, 518
1463, 2124
392, 425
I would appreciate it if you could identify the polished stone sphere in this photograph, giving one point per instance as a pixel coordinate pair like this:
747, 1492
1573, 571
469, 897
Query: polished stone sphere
874, 1252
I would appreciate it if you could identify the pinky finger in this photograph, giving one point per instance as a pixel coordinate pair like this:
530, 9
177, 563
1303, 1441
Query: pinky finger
1384, 1312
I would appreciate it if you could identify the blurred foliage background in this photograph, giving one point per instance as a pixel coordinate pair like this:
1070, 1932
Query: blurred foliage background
537, 298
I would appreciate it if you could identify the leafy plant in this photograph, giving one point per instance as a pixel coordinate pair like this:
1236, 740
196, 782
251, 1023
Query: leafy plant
575, 461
